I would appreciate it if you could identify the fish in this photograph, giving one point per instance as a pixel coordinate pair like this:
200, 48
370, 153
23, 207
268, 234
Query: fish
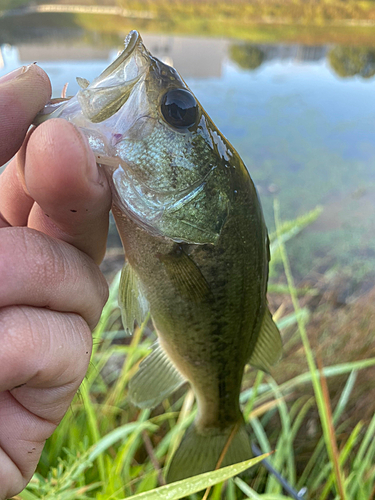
195, 242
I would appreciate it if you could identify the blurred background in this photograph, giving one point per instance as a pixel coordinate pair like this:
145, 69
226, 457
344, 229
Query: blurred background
291, 84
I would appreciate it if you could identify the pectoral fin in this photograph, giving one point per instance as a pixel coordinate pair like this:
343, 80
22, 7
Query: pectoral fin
268, 348
186, 276
133, 304
155, 380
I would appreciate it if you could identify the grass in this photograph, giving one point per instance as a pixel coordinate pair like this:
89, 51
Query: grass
308, 22
107, 449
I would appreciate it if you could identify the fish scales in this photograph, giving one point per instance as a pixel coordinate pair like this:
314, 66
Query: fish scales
158, 163
195, 242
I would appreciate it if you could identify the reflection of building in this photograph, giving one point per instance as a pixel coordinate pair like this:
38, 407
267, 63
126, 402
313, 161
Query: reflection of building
60, 51
193, 57
9, 58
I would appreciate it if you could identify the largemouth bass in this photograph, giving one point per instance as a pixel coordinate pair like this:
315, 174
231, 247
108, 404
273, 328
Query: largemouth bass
195, 242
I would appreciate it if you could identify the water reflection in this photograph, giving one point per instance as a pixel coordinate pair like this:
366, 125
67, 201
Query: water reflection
181, 52
351, 61
250, 56
305, 132
345, 61
247, 56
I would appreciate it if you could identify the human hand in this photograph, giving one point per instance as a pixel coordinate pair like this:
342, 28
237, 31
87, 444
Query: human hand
54, 204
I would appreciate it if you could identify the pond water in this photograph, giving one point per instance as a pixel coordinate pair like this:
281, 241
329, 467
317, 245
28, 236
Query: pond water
301, 117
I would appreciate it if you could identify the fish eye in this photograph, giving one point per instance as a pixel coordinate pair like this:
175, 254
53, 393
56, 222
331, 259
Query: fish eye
179, 108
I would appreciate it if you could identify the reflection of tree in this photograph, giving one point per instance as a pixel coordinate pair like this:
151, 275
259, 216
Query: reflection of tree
246, 55
350, 61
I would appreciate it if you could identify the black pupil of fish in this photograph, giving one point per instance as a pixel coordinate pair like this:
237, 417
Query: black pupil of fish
179, 108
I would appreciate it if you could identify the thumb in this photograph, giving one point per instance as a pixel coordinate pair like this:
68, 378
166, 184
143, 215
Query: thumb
23, 93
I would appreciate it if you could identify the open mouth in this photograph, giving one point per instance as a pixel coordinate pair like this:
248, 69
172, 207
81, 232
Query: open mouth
130, 43
107, 93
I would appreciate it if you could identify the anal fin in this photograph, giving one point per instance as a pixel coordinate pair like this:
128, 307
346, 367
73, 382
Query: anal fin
155, 380
133, 304
268, 348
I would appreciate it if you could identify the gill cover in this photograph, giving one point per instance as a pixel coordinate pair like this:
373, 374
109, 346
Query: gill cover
193, 215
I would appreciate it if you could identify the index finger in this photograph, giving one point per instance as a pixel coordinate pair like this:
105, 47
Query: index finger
23, 93
57, 170
21, 97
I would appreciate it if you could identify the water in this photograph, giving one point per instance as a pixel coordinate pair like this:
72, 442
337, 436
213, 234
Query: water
305, 132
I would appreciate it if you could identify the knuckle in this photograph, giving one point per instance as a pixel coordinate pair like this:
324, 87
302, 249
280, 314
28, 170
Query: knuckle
96, 288
41, 271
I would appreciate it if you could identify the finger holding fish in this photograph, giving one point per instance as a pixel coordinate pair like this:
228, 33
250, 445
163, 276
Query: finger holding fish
21, 97
84, 199
54, 185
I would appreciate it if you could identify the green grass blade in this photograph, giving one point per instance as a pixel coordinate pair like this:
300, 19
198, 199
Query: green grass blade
27, 495
93, 427
300, 418
345, 395
289, 229
260, 435
291, 319
181, 489
284, 450
126, 373
245, 488
343, 457
318, 390
314, 463
250, 403
110, 306
265, 392
231, 490
369, 437
118, 434
363, 464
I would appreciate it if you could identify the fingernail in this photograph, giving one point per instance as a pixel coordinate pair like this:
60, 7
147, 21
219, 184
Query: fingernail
13, 74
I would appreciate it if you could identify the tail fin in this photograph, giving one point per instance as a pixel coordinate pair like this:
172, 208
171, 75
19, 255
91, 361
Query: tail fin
200, 453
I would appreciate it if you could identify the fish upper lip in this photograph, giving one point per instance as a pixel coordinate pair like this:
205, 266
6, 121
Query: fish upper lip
130, 44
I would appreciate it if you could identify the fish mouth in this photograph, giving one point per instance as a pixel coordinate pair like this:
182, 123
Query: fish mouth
102, 97
112, 88
130, 44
